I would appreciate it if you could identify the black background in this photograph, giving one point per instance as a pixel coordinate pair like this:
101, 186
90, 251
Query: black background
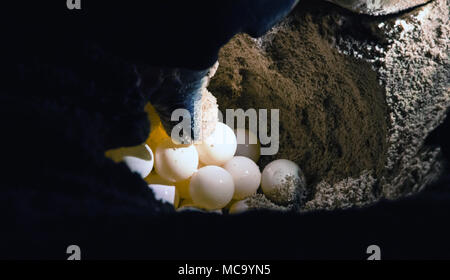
63, 102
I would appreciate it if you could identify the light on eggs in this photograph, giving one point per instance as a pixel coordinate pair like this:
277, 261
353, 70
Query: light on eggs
211, 187
175, 162
219, 147
221, 171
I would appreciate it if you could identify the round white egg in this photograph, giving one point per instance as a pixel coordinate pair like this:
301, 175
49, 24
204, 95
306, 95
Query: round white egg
175, 162
211, 187
246, 176
139, 159
219, 147
282, 181
248, 144
164, 193
239, 207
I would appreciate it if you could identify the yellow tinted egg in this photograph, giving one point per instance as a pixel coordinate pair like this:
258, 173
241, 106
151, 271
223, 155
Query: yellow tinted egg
183, 188
154, 178
176, 203
187, 203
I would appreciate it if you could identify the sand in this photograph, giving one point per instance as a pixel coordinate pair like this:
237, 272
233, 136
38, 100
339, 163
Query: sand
332, 110
410, 54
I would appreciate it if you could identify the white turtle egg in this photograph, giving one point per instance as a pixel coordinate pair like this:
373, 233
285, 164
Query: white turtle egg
282, 180
139, 159
248, 144
239, 207
211, 187
164, 193
246, 176
175, 162
219, 147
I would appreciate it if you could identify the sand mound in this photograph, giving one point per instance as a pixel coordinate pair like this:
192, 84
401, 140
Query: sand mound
333, 117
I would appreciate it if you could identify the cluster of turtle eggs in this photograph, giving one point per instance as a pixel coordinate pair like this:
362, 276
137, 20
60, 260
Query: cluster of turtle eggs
217, 173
